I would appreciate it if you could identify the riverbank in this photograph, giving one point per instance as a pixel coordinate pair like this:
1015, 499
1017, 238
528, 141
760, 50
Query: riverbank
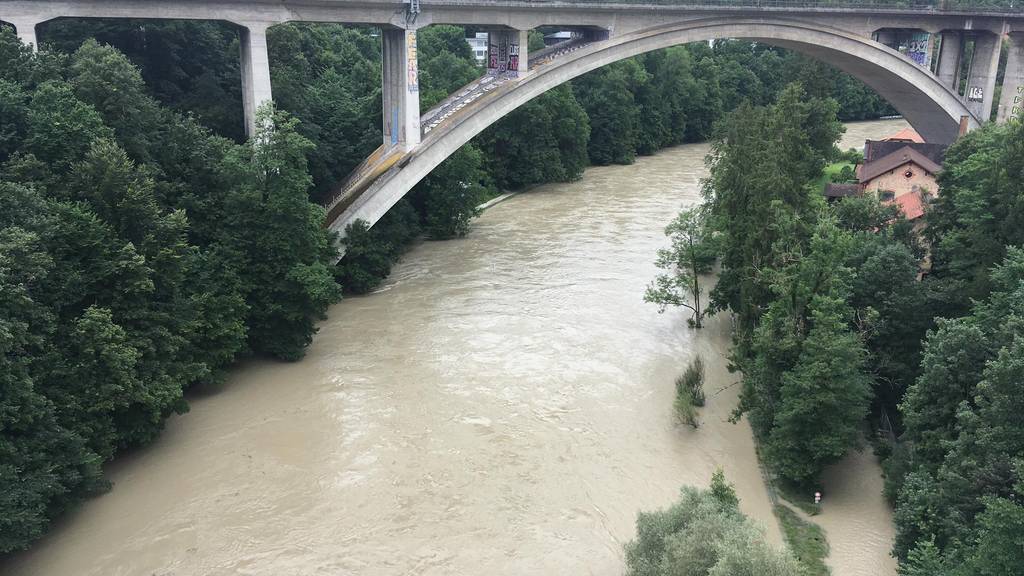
503, 407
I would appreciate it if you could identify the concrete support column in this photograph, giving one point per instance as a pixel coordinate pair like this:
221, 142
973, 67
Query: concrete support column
507, 52
26, 29
1011, 102
522, 38
401, 89
256, 89
950, 51
981, 81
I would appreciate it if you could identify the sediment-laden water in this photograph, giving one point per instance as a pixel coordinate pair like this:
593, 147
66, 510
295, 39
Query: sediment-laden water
503, 406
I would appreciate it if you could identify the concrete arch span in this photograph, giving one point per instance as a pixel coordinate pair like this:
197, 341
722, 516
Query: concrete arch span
932, 108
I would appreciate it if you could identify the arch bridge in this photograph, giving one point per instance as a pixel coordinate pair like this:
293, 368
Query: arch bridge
935, 61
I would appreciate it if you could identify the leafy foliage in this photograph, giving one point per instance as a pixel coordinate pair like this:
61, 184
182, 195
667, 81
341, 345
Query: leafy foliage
448, 197
690, 392
704, 533
690, 255
979, 212
140, 256
762, 162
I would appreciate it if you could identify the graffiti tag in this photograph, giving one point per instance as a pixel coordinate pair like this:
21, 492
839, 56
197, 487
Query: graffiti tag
410, 57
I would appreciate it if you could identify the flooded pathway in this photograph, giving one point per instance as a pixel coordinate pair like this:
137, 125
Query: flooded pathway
503, 406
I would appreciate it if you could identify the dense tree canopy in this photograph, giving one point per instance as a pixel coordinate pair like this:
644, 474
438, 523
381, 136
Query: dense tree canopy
141, 255
831, 308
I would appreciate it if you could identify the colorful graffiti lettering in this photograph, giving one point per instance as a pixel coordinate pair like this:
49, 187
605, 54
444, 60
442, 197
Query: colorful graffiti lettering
411, 55
918, 52
502, 54
492, 54
513, 57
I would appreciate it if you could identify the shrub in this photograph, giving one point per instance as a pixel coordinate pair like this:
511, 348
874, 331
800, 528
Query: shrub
685, 409
691, 383
704, 534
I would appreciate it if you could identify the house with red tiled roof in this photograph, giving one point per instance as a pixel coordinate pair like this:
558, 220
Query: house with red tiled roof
901, 172
900, 169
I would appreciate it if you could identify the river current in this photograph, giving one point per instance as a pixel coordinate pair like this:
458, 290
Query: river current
501, 406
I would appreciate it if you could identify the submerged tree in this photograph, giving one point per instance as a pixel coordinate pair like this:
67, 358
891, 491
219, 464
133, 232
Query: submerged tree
684, 262
690, 392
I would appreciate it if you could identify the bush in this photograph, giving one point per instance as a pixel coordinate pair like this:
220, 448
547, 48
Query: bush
685, 409
703, 534
690, 392
691, 383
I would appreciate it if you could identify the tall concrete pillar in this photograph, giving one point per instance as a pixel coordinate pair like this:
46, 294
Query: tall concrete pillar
26, 29
1011, 103
508, 52
256, 90
950, 51
401, 89
981, 81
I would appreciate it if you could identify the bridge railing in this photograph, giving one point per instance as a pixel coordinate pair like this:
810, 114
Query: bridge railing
973, 6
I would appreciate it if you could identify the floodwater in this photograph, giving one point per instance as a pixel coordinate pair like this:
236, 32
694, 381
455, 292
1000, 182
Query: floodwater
503, 406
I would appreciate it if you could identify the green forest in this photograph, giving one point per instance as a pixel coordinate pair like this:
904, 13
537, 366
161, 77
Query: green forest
834, 328
147, 246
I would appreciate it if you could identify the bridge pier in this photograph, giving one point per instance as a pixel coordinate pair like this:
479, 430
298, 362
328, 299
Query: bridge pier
401, 88
508, 52
255, 61
981, 79
950, 52
1011, 102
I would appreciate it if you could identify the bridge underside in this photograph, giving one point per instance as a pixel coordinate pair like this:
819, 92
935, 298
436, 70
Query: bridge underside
932, 108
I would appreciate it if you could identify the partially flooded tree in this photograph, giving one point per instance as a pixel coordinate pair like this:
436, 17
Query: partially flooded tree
690, 392
684, 262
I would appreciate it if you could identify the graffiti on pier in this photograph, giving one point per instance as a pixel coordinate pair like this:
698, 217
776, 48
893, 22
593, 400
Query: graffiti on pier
502, 54
411, 55
513, 57
917, 48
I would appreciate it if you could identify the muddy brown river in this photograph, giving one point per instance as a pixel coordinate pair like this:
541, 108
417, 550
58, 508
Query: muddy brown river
502, 406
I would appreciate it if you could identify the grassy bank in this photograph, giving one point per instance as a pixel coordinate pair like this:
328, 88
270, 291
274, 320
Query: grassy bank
806, 540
